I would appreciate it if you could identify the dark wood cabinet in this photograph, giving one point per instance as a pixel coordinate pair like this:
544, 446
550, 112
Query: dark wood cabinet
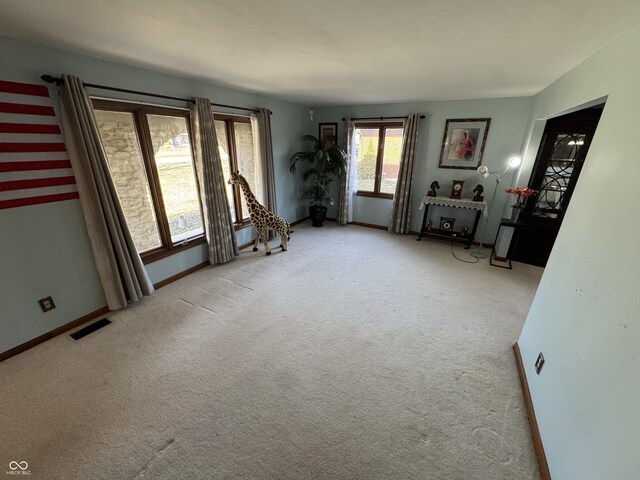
560, 159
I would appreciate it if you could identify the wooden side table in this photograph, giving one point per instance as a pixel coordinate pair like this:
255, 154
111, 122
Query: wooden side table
480, 207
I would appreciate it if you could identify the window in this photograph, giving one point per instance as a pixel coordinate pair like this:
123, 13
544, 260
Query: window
235, 142
378, 152
150, 159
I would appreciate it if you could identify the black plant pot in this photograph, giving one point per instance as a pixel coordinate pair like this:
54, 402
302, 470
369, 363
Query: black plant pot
317, 214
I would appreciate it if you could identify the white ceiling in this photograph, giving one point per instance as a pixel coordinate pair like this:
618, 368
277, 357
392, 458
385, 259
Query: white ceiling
335, 51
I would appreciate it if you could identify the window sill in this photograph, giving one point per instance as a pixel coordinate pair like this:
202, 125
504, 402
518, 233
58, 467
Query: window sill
388, 196
155, 255
240, 226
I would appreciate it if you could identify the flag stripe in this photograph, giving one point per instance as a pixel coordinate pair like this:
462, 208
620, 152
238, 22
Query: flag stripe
28, 128
23, 108
30, 138
24, 88
20, 99
27, 119
32, 156
36, 183
28, 165
32, 174
32, 147
23, 202
34, 192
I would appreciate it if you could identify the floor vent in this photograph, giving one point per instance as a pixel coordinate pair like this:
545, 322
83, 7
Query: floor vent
83, 332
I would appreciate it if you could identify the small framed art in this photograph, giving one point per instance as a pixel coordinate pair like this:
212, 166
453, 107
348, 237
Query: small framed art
328, 131
463, 143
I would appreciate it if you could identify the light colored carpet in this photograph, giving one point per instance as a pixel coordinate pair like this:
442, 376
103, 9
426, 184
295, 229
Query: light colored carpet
357, 354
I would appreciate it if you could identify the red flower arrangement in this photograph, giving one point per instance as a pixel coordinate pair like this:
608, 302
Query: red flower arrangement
521, 194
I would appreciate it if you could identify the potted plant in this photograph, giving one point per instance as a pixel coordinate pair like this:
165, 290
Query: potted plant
326, 162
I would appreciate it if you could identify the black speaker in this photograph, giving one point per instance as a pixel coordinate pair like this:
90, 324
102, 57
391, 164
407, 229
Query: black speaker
446, 223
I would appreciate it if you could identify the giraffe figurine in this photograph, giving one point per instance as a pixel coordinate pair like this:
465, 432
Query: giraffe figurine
261, 218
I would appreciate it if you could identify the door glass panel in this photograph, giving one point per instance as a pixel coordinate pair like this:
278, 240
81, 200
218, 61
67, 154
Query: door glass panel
175, 167
366, 141
126, 166
557, 176
391, 159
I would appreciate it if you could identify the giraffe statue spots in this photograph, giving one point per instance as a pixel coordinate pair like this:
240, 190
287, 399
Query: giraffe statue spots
261, 218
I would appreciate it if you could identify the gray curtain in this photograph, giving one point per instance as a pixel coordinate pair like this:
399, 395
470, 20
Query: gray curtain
266, 156
267, 173
120, 269
221, 237
349, 183
400, 211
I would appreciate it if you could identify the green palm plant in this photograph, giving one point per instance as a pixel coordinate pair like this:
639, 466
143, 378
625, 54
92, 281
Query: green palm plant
327, 161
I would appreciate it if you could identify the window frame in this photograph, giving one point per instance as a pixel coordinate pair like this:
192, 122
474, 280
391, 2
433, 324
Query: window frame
139, 114
229, 119
382, 127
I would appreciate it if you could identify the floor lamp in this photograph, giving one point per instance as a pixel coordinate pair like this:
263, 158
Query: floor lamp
484, 171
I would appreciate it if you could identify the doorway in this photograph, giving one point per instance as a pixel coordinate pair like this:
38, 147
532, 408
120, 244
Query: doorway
561, 155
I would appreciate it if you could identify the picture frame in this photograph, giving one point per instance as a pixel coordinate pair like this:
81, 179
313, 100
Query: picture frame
463, 143
328, 130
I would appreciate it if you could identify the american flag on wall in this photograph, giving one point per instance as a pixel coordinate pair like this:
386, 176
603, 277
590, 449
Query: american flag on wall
34, 164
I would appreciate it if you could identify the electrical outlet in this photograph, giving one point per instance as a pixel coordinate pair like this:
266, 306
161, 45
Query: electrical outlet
46, 304
539, 363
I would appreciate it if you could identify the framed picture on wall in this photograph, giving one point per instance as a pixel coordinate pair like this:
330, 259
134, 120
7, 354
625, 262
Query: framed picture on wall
463, 143
328, 131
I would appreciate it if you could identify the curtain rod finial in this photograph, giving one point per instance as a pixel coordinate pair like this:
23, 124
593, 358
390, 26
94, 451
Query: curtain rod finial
51, 79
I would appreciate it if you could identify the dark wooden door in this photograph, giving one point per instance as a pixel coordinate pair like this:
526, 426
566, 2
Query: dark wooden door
560, 159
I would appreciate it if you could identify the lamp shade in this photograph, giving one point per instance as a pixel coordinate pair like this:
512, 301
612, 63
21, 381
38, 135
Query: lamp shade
514, 162
483, 170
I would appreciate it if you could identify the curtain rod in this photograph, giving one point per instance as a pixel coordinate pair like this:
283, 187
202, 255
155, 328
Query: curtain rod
59, 81
380, 118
